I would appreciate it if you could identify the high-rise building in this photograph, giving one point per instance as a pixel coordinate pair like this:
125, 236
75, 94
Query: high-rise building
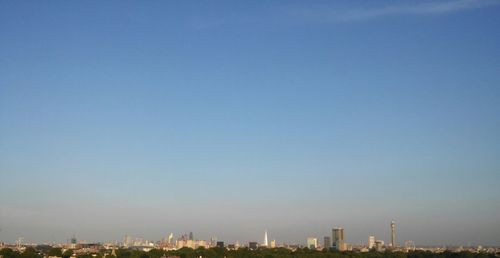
253, 245
273, 243
393, 234
312, 243
127, 241
191, 236
213, 241
371, 242
338, 239
265, 238
379, 245
327, 243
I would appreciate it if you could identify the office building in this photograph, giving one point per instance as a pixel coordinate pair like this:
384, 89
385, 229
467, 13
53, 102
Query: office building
312, 243
327, 243
253, 245
379, 245
338, 239
371, 242
127, 241
213, 241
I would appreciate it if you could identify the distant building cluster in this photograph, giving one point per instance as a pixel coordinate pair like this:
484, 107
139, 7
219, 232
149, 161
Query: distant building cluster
334, 242
337, 242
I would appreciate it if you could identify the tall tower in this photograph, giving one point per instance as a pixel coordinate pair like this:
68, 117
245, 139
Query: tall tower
338, 239
371, 242
170, 237
327, 243
265, 238
393, 234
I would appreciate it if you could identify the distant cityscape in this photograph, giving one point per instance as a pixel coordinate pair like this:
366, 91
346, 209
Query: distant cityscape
334, 242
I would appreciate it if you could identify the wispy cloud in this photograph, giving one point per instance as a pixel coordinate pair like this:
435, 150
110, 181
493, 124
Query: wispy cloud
415, 8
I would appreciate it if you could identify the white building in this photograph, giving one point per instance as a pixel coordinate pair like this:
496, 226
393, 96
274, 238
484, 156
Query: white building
371, 242
312, 243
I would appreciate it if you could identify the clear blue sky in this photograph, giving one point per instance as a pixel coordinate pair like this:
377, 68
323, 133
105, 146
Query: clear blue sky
229, 117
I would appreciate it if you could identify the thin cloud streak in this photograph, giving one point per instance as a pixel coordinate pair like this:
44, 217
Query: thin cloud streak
427, 8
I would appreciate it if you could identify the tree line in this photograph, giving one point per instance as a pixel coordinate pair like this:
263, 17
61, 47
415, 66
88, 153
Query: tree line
32, 252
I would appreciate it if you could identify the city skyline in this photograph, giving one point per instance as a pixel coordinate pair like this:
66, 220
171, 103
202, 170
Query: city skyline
187, 240
336, 240
228, 118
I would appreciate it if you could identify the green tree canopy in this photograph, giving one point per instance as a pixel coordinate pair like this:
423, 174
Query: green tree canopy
68, 253
55, 252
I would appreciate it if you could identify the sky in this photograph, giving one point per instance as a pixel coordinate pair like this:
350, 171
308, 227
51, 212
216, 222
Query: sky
227, 118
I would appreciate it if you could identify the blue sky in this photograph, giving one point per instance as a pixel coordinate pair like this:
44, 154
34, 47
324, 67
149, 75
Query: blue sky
229, 117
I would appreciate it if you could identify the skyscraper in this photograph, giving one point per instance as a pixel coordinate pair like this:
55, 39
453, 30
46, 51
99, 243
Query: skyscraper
191, 236
338, 239
371, 242
127, 241
265, 238
393, 234
327, 242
